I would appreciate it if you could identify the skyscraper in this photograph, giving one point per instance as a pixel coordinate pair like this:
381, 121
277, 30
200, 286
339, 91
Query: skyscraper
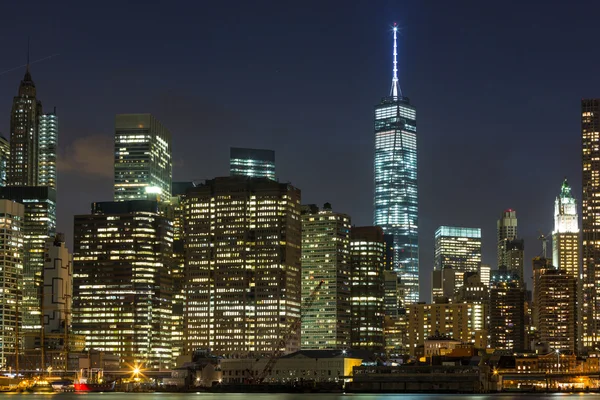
243, 244
24, 119
39, 225
256, 163
143, 163
507, 230
4, 160
396, 201
458, 248
326, 257
507, 312
514, 251
11, 275
367, 261
565, 238
122, 283
47, 149
590, 208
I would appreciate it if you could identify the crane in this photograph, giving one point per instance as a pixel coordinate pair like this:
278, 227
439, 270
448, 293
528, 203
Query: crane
282, 342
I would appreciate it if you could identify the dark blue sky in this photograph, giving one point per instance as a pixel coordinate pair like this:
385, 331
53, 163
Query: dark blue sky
497, 86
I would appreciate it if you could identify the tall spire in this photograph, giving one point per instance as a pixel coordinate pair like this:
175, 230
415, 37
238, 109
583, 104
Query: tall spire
27, 77
396, 91
27, 53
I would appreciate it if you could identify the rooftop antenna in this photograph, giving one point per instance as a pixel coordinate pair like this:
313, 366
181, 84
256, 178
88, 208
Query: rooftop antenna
395, 92
544, 239
27, 53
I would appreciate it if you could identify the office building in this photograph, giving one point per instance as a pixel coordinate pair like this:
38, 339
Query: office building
514, 250
143, 165
39, 225
396, 200
507, 313
4, 160
243, 271
367, 293
326, 257
461, 321
557, 310
11, 275
507, 231
57, 295
472, 290
255, 163
458, 248
565, 237
24, 119
485, 273
122, 283
590, 209
47, 149
443, 283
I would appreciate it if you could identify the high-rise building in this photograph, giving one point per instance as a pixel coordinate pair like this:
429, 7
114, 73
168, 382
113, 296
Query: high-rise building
396, 200
143, 165
514, 250
507, 313
243, 271
484, 274
47, 149
122, 282
4, 160
507, 231
458, 248
556, 304
39, 225
590, 209
257, 163
367, 294
460, 321
326, 257
565, 237
11, 276
443, 283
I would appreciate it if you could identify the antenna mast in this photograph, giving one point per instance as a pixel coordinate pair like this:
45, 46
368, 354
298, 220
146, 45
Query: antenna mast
395, 92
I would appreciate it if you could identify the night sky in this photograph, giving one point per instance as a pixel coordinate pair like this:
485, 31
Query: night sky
497, 88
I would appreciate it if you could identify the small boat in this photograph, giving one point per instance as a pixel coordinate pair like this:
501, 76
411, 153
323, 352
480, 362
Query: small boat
41, 386
94, 382
62, 385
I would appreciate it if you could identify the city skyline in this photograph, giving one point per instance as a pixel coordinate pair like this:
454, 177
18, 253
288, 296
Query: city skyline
458, 209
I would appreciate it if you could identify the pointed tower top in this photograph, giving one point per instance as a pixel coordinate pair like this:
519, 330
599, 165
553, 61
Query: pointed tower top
396, 92
27, 77
565, 190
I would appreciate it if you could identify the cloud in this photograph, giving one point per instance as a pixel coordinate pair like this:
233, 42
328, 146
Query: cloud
90, 155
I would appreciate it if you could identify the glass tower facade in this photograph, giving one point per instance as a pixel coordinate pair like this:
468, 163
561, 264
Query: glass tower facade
252, 162
458, 248
143, 163
48, 145
4, 160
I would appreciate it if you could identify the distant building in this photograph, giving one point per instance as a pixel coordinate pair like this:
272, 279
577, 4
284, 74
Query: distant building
243, 271
507, 313
367, 293
443, 283
507, 231
4, 160
143, 164
122, 281
459, 248
47, 149
565, 238
326, 257
255, 163
11, 274
484, 274
514, 251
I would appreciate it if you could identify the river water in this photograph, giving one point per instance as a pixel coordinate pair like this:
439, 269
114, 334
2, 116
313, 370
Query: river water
312, 396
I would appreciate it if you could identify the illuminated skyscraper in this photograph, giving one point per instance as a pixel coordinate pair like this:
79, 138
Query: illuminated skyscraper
143, 163
4, 160
565, 238
243, 274
11, 276
256, 163
396, 201
47, 149
122, 283
367, 294
458, 248
507, 312
24, 119
326, 257
507, 230
39, 225
590, 209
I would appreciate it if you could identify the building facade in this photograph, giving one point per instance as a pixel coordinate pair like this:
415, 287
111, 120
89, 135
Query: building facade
565, 237
507, 231
11, 277
443, 283
122, 283
257, 163
325, 257
243, 271
47, 149
590, 206
367, 294
143, 164
507, 314
396, 200
458, 248
4, 161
